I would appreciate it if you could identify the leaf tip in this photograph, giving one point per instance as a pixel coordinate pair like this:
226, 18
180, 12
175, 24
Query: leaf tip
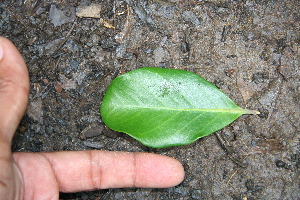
251, 112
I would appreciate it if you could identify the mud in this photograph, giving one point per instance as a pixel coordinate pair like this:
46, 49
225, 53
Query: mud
249, 49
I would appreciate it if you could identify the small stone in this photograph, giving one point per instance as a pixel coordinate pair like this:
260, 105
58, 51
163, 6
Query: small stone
259, 77
110, 133
280, 164
249, 184
92, 131
109, 44
197, 194
95, 145
186, 167
295, 157
181, 190
185, 47
231, 56
74, 64
191, 17
263, 113
219, 83
253, 143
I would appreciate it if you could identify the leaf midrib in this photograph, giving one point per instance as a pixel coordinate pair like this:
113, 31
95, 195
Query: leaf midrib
235, 110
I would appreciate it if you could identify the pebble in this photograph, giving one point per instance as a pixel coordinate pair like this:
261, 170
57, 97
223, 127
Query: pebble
197, 194
280, 164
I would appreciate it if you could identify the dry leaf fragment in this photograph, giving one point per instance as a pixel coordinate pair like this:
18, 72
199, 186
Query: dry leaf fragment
245, 88
92, 10
35, 110
106, 24
124, 34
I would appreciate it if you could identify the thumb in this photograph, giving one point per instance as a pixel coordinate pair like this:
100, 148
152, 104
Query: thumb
14, 89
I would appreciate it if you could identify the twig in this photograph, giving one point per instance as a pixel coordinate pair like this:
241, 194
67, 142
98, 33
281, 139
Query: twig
231, 177
68, 34
224, 144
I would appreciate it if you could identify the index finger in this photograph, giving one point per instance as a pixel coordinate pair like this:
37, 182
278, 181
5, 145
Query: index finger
90, 170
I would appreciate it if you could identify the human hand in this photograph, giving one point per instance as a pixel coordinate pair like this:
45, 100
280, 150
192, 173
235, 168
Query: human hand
42, 175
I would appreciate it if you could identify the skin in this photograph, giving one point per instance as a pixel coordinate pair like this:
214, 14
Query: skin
42, 175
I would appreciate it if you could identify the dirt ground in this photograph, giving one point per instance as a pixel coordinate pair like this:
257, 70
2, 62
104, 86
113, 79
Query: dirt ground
249, 49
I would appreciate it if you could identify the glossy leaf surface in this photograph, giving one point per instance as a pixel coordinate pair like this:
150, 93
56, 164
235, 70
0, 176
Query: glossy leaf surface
166, 107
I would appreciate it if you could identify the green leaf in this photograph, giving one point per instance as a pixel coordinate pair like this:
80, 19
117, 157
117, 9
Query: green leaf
166, 107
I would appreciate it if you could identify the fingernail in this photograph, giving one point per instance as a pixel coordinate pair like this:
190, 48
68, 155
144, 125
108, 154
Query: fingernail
1, 52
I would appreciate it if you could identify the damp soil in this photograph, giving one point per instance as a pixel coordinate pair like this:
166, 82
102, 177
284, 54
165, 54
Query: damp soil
249, 49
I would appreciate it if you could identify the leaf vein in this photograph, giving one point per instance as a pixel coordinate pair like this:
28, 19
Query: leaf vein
161, 124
